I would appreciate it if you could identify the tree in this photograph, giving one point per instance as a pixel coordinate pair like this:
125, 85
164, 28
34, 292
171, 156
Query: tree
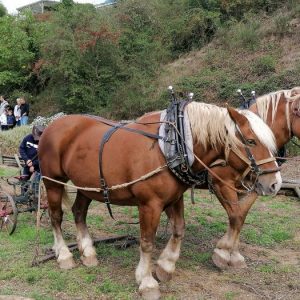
82, 63
3, 10
15, 55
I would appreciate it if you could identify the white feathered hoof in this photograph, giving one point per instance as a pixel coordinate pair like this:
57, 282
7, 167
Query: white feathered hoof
90, 261
237, 261
162, 275
150, 294
67, 263
149, 288
221, 258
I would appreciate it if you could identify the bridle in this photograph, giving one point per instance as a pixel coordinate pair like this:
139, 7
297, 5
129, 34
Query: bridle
253, 165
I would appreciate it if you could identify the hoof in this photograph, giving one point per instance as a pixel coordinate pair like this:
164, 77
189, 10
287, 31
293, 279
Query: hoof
90, 261
162, 275
150, 294
67, 263
237, 261
221, 258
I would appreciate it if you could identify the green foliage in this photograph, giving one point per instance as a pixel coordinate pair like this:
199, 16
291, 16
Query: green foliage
84, 55
3, 10
293, 150
264, 65
15, 54
81, 60
244, 35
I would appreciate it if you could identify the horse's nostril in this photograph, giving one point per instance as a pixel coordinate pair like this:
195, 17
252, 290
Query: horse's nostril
273, 187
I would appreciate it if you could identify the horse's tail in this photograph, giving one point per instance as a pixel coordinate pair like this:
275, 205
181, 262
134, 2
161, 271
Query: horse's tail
66, 201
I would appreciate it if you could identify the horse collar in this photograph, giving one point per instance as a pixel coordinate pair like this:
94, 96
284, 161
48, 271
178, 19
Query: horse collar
177, 160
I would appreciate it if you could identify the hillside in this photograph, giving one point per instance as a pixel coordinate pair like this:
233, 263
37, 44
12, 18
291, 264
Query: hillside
261, 53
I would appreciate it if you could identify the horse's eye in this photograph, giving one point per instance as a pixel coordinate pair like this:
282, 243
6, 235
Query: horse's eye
251, 142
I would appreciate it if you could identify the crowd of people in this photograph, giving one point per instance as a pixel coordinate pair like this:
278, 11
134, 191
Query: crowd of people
11, 116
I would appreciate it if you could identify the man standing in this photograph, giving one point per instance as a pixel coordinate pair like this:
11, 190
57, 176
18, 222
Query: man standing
24, 111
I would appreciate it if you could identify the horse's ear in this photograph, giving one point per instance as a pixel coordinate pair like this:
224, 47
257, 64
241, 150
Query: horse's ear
236, 117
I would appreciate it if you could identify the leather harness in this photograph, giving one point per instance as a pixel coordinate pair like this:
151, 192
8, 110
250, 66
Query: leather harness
178, 162
105, 139
174, 135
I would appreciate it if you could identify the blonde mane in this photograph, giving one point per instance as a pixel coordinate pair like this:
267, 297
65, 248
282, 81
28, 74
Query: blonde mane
263, 103
212, 125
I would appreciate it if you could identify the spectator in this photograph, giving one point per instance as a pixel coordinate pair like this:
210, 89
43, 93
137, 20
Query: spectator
10, 118
3, 119
24, 111
3, 104
17, 112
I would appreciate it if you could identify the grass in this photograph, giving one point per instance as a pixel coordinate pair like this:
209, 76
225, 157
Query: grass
8, 171
11, 139
272, 222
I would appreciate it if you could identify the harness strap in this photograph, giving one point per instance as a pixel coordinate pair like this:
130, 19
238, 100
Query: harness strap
104, 187
103, 184
257, 163
122, 125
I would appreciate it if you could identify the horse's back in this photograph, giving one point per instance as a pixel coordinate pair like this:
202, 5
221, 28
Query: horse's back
69, 149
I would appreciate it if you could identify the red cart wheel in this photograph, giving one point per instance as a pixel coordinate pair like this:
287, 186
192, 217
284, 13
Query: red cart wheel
8, 213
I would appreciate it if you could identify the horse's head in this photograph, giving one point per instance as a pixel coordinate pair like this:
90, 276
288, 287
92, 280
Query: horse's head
281, 111
253, 156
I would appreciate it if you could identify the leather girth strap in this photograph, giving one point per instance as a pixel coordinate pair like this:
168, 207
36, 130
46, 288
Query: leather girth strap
104, 140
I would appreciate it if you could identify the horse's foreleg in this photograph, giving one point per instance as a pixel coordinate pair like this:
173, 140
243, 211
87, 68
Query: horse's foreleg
168, 258
63, 254
149, 215
226, 254
85, 243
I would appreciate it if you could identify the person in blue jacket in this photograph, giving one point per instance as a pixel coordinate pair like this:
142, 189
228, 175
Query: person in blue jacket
29, 151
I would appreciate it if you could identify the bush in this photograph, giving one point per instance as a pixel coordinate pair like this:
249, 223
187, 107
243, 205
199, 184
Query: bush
281, 25
264, 65
293, 149
246, 35
11, 139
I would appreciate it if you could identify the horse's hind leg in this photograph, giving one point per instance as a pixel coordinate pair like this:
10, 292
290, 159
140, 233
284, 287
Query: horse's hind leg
85, 243
167, 260
149, 215
63, 254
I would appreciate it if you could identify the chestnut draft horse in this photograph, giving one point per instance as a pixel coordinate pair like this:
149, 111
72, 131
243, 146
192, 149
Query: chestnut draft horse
69, 149
281, 111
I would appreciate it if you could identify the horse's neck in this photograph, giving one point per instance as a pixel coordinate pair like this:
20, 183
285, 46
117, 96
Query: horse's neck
279, 125
207, 156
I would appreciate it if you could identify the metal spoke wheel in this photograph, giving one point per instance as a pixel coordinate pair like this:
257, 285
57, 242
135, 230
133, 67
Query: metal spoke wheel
8, 213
